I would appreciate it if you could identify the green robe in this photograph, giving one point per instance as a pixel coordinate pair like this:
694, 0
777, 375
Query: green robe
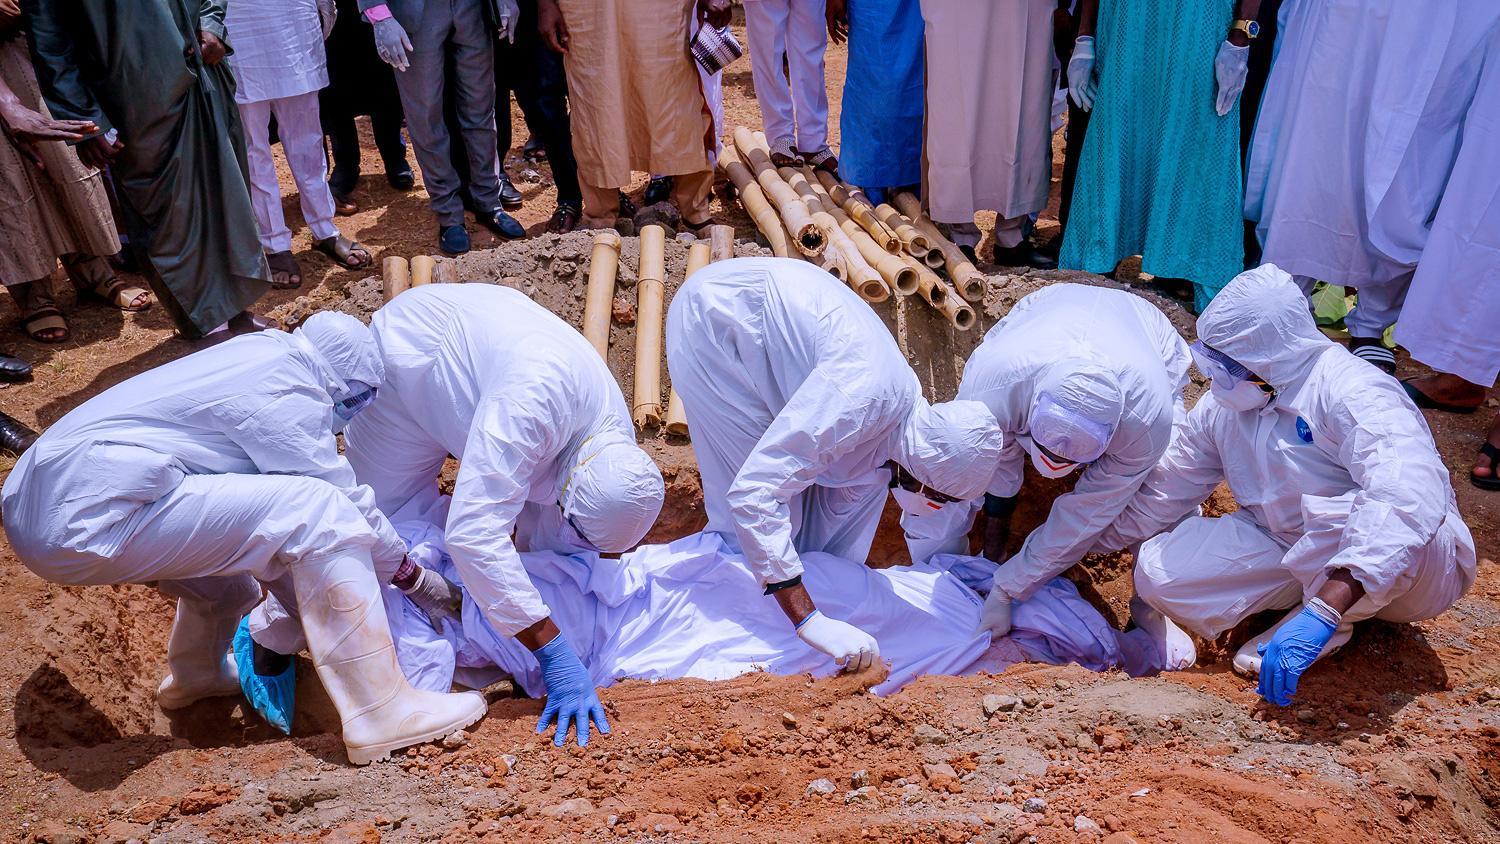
134, 66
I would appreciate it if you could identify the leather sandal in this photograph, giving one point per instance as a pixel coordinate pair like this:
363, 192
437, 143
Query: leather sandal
822, 159
93, 277
783, 154
41, 319
564, 219
344, 252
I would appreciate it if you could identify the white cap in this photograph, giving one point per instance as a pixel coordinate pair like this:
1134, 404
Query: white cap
951, 447
613, 493
347, 344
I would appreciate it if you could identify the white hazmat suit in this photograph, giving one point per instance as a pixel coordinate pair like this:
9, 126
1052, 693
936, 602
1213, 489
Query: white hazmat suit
214, 471
1338, 471
798, 397
1107, 356
539, 426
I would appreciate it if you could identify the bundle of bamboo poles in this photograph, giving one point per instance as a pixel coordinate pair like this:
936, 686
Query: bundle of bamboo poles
397, 274
876, 249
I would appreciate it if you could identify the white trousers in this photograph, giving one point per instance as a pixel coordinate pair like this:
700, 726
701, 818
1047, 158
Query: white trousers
793, 31
302, 140
1209, 574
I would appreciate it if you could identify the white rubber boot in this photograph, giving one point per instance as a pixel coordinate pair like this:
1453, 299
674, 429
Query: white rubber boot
1247, 660
1175, 645
198, 657
351, 646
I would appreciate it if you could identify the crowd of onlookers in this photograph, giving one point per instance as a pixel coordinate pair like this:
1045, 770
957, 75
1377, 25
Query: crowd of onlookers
1351, 142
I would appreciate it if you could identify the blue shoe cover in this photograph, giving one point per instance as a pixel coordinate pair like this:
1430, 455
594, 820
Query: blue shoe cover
272, 697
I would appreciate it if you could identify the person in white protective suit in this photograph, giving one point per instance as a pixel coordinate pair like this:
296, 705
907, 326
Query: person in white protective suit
546, 449
214, 471
1346, 510
804, 414
1078, 376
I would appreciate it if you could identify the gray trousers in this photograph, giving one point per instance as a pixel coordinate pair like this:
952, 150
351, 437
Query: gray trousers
457, 27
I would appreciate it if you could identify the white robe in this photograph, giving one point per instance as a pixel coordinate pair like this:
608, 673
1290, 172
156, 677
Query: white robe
694, 608
1358, 132
1451, 313
989, 99
277, 49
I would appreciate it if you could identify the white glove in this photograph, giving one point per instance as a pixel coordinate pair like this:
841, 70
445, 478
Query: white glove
392, 44
995, 617
1231, 66
850, 647
328, 14
437, 596
1081, 84
509, 12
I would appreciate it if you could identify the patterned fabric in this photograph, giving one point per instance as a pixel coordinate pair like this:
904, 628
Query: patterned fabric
715, 49
44, 215
1159, 175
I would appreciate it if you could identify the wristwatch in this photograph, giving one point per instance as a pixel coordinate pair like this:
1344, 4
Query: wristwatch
1250, 28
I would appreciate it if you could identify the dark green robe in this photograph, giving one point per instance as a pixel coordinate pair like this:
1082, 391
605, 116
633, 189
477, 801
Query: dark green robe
134, 66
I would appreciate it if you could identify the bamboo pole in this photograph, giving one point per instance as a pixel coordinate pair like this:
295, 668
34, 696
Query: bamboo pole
858, 272
805, 234
859, 210
897, 275
720, 242
421, 270
599, 296
966, 277
650, 292
699, 256
755, 202
446, 272
941, 296
913, 240
395, 276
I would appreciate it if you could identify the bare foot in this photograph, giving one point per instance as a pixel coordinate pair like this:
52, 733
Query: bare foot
1449, 389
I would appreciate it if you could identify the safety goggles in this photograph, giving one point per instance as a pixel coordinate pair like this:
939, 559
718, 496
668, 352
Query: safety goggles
903, 479
1217, 365
1223, 369
348, 408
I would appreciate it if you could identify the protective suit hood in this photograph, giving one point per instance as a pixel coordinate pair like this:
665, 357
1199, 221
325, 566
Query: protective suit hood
346, 346
951, 447
612, 492
1076, 408
1261, 320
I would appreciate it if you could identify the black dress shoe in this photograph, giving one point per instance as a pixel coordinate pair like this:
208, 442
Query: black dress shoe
502, 224
1024, 254
658, 189
14, 437
510, 198
14, 369
401, 179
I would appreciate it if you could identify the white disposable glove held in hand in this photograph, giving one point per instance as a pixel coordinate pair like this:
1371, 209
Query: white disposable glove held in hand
510, 13
849, 646
328, 15
1231, 66
1081, 86
392, 44
437, 596
995, 617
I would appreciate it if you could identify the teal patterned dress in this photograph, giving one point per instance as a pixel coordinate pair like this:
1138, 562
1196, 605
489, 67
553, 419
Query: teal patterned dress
1159, 175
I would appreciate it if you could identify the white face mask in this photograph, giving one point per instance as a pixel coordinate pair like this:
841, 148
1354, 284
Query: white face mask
1243, 397
915, 503
1044, 465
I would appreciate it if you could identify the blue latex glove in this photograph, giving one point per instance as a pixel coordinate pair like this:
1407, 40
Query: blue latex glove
1231, 66
272, 697
571, 697
1294, 648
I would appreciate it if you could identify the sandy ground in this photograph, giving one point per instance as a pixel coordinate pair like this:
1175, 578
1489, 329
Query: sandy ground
1396, 738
